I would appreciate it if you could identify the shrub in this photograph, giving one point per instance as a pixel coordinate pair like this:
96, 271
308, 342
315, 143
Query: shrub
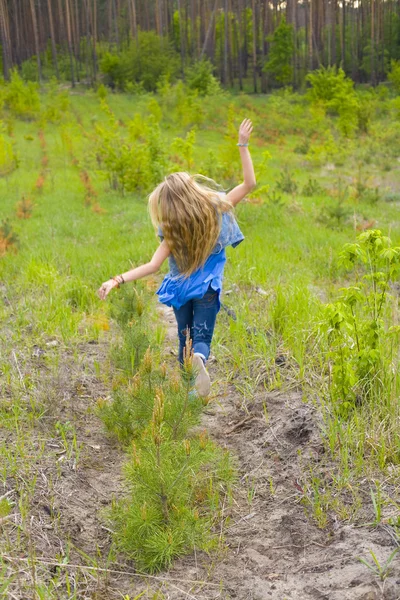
134, 163
175, 477
8, 158
57, 103
286, 183
146, 63
8, 238
185, 147
334, 213
22, 99
312, 188
199, 77
279, 63
335, 91
360, 345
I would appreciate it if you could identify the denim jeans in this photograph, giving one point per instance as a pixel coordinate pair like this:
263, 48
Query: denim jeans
199, 317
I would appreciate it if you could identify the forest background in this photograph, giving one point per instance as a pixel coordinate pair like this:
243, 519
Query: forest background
248, 44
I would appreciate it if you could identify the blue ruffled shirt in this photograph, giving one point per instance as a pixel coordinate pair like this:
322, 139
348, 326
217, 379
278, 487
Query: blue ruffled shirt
176, 290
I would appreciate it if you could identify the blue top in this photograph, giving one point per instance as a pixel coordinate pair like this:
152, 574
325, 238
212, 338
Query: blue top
176, 290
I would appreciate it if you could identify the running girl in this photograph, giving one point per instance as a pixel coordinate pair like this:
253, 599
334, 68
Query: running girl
195, 224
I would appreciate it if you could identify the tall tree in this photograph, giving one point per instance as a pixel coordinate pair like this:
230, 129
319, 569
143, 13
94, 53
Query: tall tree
36, 38
5, 40
69, 39
253, 6
53, 39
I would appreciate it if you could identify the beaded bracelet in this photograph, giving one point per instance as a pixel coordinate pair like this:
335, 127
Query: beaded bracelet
242, 145
117, 281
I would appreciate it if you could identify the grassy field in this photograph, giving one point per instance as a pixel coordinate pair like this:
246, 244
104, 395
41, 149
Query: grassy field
90, 398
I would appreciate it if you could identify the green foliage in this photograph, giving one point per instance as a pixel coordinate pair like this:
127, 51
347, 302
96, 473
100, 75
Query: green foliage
331, 87
134, 163
8, 158
22, 99
312, 188
286, 182
279, 63
335, 212
145, 63
200, 77
394, 75
57, 103
175, 478
184, 148
359, 342
102, 92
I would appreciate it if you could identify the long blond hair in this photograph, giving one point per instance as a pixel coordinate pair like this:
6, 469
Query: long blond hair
188, 210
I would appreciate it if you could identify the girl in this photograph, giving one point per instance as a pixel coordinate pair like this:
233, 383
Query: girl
195, 224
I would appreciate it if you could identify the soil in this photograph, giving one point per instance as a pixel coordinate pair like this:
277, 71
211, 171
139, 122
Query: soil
273, 549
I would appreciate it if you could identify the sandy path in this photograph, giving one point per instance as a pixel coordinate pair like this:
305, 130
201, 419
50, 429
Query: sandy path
274, 550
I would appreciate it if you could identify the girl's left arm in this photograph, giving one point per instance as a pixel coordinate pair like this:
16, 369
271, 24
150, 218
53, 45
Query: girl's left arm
249, 178
160, 255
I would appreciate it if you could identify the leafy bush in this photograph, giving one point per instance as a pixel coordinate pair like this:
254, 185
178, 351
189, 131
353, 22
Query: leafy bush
331, 87
303, 147
312, 188
279, 63
360, 346
134, 163
57, 103
8, 158
286, 182
184, 148
9, 240
21, 98
200, 77
145, 63
335, 212
175, 478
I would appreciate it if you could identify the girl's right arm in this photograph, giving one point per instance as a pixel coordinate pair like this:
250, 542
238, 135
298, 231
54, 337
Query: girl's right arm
249, 178
149, 268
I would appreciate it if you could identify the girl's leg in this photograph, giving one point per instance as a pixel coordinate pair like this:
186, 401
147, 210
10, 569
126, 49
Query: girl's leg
184, 319
205, 313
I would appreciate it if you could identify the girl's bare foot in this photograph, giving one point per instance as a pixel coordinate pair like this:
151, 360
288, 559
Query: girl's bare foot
202, 382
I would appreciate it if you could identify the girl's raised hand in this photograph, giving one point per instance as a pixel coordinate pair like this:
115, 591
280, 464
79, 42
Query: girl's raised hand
245, 131
106, 288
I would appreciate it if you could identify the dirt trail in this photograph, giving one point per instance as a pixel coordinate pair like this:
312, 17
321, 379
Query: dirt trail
274, 550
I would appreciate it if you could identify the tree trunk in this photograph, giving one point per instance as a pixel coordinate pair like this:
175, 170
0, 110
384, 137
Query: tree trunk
209, 30
181, 39
334, 17
253, 5
373, 80
239, 44
69, 39
344, 35
36, 38
5, 40
263, 9
225, 70
134, 20
310, 35
94, 35
52, 37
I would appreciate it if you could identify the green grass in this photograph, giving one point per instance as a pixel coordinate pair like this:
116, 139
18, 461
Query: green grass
280, 279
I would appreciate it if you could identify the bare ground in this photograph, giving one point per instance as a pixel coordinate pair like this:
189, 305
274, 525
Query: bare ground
273, 550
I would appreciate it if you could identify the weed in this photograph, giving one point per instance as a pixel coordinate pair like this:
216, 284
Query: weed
9, 241
25, 208
312, 188
381, 571
286, 182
